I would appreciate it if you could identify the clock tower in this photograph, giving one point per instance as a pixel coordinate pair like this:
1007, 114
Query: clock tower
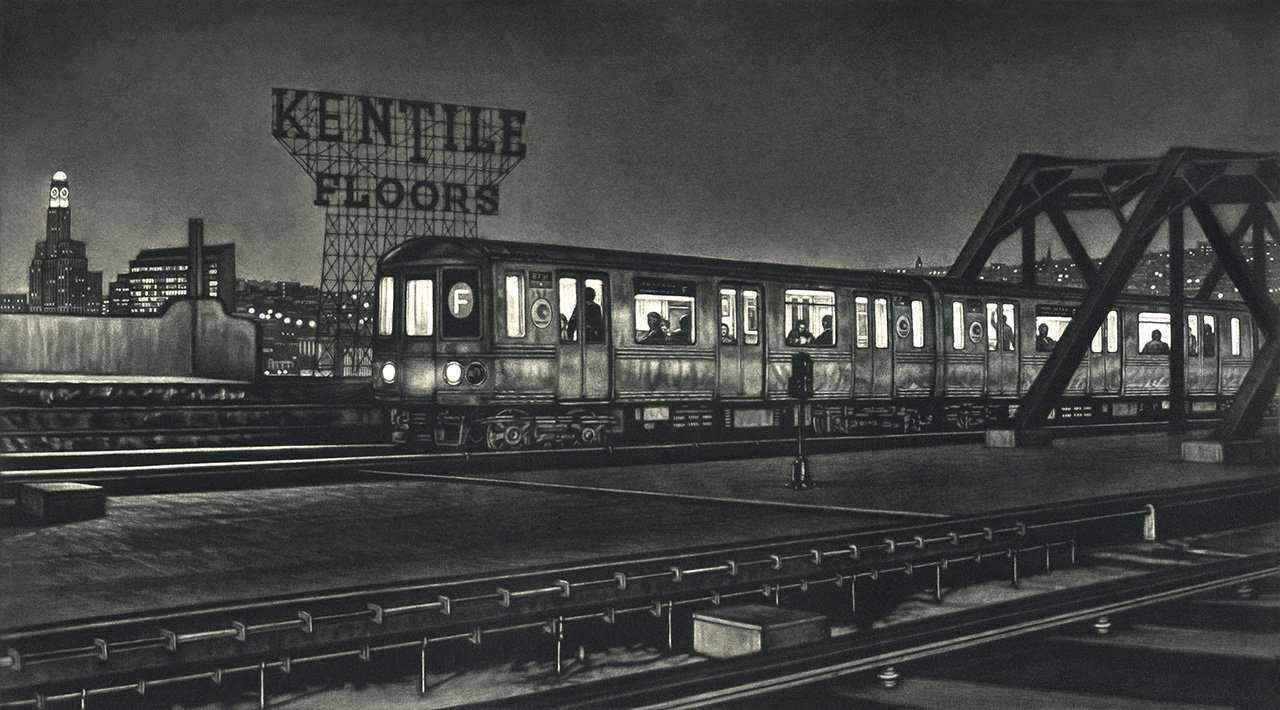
59, 278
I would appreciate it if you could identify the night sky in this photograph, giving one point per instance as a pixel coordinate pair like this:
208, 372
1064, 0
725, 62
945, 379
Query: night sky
847, 133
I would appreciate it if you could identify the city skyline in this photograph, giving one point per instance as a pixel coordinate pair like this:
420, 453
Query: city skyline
866, 133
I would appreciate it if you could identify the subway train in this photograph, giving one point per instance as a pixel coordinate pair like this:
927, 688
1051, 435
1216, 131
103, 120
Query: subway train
507, 345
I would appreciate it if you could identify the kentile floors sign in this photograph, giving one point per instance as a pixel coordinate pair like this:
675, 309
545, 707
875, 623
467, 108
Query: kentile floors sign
388, 148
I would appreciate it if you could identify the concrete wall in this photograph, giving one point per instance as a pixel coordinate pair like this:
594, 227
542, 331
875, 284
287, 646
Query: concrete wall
209, 343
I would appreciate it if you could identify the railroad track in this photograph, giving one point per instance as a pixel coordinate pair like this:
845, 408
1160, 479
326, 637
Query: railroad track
159, 464
264, 641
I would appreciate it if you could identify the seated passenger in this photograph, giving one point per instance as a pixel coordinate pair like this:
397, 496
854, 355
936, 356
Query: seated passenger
827, 336
1156, 346
656, 333
799, 334
1044, 343
683, 333
726, 338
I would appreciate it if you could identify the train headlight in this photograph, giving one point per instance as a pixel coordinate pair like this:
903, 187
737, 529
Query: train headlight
388, 372
476, 373
453, 373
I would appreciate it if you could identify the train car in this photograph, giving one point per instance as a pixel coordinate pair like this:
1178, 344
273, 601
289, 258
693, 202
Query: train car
508, 345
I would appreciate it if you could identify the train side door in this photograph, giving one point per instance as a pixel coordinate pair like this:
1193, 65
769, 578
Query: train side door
1104, 356
583, 350
872, 351
739, 353
1002, 348
1201, 343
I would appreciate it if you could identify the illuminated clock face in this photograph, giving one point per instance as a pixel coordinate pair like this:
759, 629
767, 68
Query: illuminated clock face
63, 193
53, 192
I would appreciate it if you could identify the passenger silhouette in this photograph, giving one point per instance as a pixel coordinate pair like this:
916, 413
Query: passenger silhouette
1192, 345
655, 334
827, 336
726, 337
1209, 341
799, 334
1156, 346
592, 318
684, 333
1044, 343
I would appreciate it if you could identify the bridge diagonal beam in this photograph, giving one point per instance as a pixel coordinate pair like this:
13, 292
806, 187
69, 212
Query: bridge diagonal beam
1214, 275
1117, 268
1245, 280
1004, 215
1257, 390
1071, 240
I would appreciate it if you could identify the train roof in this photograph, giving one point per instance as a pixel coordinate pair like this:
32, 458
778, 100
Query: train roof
465, 249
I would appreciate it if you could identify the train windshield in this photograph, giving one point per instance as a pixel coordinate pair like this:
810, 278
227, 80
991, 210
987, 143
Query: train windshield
419, 295
386, 304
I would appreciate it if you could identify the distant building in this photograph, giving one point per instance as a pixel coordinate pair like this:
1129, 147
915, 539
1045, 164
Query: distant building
157, 276
13, 303
59, 279
287, 311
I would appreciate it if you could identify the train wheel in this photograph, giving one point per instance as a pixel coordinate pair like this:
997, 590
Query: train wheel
495, 437
515, 436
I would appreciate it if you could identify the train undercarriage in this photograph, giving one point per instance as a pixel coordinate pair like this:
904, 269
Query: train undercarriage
551, 426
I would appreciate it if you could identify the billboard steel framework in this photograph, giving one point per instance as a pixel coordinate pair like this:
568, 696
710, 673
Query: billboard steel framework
386, 171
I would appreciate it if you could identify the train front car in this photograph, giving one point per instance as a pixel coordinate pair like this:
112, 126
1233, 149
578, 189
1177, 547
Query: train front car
471, 350
433, 344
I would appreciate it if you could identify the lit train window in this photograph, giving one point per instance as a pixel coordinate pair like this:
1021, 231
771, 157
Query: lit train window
1113, 331
1153, 333
917, 324
861, 323
728, 316
419, 295
1192, 342
1209, 337
810, 317
386, 305
1051, 322
882, 323
957, 325
568, 305
1002, 333
460, 313
750, 318
664, 312
515, 305
1235, 336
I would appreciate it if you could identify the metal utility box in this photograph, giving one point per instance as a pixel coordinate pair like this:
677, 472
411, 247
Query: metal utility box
60, 502
743, 630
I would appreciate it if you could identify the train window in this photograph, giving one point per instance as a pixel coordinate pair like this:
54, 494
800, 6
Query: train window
1153, 333
1235, 336
664, 312
750, 318
917, 324
806, 309
568, 306
1113, 331
460, 290
1192, 340
1209, 337
1049, 329
882, 322
386, 305
591, 323
861, 322
728, 316
957, 325
1002, 333
419, 308
515, 305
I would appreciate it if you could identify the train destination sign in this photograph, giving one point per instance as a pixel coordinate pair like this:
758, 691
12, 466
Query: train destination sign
391, 153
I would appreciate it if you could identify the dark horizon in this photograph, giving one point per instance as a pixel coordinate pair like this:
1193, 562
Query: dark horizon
778, 131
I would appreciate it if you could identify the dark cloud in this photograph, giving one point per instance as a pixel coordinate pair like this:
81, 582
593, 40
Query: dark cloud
850, 133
